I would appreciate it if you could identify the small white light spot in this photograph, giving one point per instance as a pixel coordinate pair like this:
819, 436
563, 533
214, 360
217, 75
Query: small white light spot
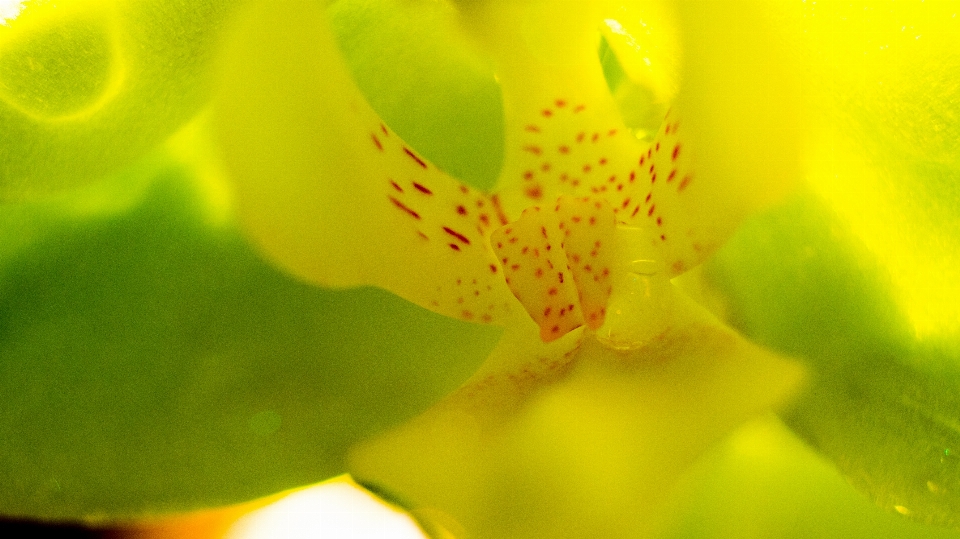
334, 510
9, 9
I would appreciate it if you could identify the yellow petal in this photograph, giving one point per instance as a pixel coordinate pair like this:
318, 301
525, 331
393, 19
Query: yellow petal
706, 169
333, 194
537, 272
586, 443
740, 103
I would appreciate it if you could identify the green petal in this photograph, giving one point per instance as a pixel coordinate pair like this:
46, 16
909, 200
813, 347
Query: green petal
586, 443
880, 405
763, 482
151, 362
87, 87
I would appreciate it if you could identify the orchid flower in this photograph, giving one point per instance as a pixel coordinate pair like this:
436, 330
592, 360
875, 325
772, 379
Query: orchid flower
608, 381
573, 250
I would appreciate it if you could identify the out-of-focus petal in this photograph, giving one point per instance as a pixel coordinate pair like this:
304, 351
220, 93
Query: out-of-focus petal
582, 443
88, 86
740, 105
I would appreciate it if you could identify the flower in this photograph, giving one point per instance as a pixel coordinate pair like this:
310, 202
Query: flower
627, 393
569, 428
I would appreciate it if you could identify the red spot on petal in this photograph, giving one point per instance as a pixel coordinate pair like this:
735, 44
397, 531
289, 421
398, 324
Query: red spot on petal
404, 207
501, 215
454, 246
457, 235
376, 141
493, 268
535, 150
422, 188
415, 157
396, 186
532, 128
683, 184
651, 210
676, 152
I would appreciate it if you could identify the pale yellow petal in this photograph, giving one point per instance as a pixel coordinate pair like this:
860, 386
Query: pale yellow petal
329, 191
740, 103
579, 444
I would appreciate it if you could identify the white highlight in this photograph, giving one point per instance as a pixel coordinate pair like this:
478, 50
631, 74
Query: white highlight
9, 9
336, 510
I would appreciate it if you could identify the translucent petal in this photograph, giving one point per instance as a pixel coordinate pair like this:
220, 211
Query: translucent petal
740, 105
332, 193
644, 36
586, 443
88, 86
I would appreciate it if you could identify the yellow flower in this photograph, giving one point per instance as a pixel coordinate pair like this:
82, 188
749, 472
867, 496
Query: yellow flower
607, 382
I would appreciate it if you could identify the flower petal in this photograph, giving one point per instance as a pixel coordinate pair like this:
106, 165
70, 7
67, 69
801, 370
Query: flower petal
859, 276
582, 444
333, 194
740, 101
691, 186
86, 87
153, 363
